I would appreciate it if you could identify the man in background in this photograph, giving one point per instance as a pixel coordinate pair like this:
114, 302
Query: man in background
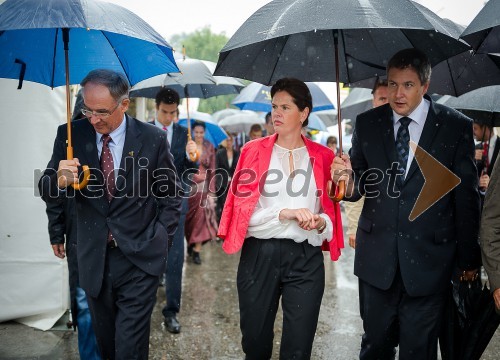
167, 112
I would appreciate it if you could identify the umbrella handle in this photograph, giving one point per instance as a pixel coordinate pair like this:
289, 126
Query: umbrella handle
86, 171
194, 156
339, 195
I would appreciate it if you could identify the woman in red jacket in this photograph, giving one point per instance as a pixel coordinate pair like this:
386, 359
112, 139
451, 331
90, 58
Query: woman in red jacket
278, 211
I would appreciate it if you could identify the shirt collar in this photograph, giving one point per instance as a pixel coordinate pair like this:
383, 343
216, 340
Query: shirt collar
169, 127
418, 115
117, 134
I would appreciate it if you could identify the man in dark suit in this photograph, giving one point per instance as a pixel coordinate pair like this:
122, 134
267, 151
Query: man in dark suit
167, 103
486, 152
125, 214
405, 266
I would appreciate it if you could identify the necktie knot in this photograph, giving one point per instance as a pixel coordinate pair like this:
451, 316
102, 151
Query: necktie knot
165, 128
106, 139
405, 121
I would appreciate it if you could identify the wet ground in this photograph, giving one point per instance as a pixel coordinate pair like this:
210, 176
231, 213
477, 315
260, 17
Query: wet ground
210, 319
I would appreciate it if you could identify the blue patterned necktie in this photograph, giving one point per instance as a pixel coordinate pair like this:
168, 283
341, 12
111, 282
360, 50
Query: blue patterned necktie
403, 143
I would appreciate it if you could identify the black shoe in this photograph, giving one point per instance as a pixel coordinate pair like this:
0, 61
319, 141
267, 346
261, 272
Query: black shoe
172, 324
196, 257
190, 250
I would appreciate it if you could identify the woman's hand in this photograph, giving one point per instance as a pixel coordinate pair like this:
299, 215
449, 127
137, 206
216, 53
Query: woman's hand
306, 219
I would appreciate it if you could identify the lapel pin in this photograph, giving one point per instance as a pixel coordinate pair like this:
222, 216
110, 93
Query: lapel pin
131, 153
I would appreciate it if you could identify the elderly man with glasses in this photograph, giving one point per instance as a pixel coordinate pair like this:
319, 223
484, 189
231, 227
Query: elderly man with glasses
126, 214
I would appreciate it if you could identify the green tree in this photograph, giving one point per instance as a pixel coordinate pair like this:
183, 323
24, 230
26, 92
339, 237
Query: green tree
203, 44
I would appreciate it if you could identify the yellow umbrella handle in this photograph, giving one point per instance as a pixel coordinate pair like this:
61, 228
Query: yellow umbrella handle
340, 193
86, 171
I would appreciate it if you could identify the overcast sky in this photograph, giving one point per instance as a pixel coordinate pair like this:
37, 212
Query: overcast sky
173, 17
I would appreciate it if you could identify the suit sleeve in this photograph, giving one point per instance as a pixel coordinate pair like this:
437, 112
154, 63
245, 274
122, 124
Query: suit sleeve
467, 202
490, 230
167, 190
358, 163
57, 222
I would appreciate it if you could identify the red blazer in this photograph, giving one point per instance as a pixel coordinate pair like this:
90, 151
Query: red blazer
246, 186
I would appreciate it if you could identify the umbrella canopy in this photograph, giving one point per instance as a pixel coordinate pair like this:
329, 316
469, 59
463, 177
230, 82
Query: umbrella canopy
213, 132
241, 122
297, 38
458, 74
483, 33
221, 114
194, 81
359, 100
257, 97
32, 40
481, 104
42, 41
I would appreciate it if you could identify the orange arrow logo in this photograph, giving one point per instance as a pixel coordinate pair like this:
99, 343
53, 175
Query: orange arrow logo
439, 181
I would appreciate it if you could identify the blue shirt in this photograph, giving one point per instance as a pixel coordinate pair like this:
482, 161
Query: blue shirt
116, 143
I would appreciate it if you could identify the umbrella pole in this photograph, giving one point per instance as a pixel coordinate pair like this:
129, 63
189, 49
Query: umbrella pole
196, 155
339, 195
69, 150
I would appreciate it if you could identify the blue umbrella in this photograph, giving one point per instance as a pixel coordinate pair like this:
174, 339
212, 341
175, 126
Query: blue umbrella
42, 40
213, 132
257, 97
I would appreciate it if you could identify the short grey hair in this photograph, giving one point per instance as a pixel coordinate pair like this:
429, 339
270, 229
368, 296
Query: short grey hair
116, 82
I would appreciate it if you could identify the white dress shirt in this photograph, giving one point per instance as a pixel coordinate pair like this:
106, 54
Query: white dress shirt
169, 129
282, 192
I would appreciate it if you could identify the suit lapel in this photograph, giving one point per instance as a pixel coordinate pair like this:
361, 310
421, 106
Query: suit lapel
131, 151
87, 152
495, 155
386, 127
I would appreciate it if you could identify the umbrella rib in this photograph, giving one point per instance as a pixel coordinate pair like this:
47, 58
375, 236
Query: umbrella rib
276, 63
112, 47
54, 59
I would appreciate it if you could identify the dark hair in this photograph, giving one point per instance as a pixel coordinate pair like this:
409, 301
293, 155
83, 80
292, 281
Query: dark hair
199, 123
116, 82
379, 83
268, 117
331, 140
299, 92
415, 59
255, 128
167, 96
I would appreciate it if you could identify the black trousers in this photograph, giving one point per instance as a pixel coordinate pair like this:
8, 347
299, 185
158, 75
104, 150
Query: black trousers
392, 317
121, 314
274, 268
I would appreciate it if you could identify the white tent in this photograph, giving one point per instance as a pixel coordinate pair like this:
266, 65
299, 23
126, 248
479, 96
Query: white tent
33, 282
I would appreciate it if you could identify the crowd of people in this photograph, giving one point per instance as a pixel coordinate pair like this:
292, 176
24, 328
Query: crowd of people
155, 194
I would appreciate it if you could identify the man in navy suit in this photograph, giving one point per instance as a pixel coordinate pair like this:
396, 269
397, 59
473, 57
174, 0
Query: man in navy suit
125, 215
405, 265
486, 151
167, 102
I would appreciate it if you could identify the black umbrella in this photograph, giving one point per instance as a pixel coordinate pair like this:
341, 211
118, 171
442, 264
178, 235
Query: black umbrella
469, 321
483, 33
330, 40
458, 74
482, 104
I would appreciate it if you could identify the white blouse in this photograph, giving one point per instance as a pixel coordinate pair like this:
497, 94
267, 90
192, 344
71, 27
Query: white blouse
281, 191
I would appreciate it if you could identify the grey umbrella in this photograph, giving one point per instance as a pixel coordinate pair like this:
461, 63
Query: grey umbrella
481, 104
483, 33
330, 40
194, 81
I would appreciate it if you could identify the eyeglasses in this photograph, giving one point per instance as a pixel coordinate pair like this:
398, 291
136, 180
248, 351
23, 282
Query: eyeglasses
100, 114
